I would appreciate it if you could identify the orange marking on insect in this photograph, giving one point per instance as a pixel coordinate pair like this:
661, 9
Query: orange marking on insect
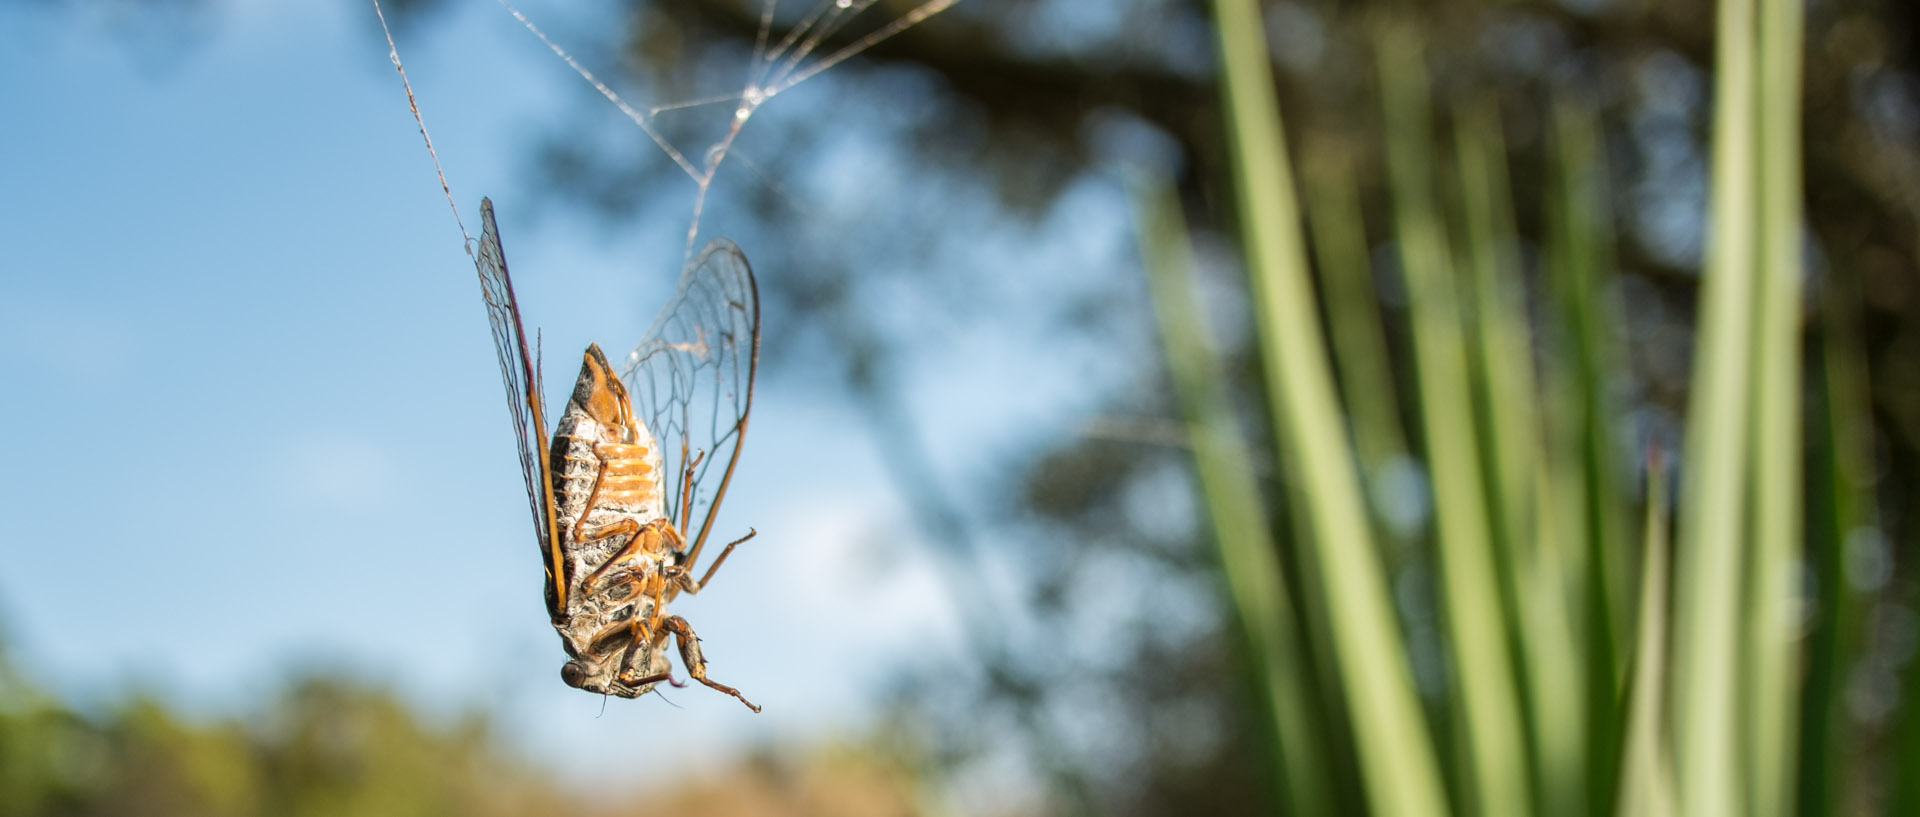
624, 477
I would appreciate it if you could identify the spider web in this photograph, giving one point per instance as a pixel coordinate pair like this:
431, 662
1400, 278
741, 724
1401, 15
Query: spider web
780, 60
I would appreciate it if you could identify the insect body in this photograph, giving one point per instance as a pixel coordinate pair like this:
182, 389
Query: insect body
609, 516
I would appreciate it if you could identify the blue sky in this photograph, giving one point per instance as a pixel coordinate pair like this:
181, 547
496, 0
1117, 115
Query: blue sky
256, 425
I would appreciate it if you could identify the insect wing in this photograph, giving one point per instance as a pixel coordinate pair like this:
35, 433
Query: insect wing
692, 381
518, 370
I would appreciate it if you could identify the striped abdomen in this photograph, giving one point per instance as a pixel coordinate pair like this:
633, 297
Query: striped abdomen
627, 479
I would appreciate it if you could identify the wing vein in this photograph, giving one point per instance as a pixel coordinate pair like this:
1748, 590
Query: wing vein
519, 371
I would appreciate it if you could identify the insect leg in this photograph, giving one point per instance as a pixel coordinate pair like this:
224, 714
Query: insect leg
645, 640
593, 496
686, 485
619, 527
656, 678
652, 537
696, 664
695, 587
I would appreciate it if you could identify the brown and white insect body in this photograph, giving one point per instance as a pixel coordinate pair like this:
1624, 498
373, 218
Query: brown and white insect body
606, 491
609, 516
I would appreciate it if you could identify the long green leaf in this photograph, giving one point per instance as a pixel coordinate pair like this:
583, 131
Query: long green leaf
1346, 281
1713, 562
1592, 537
1392, 742
1475, 624
1532, 575
1646, 773
1776, 444
1248, 560
1840, 508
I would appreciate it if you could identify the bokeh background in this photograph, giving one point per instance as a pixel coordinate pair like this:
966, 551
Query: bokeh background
267, 550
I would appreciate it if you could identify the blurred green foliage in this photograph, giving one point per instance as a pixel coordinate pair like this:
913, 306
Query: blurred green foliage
329, 746
323, 746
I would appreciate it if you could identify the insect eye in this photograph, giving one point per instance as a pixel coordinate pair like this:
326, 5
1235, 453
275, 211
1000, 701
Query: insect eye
573, 674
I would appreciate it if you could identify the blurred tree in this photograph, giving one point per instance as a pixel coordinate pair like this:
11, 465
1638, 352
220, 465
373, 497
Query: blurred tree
330, 746
324, 746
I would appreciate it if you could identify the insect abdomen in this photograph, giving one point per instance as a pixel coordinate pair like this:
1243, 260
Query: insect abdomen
574, 467
629, 479
625, 477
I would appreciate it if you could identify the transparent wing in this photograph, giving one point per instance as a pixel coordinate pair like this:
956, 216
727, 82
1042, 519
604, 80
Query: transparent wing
692, 382
518, 370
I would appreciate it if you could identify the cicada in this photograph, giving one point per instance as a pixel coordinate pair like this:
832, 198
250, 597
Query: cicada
612, 515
